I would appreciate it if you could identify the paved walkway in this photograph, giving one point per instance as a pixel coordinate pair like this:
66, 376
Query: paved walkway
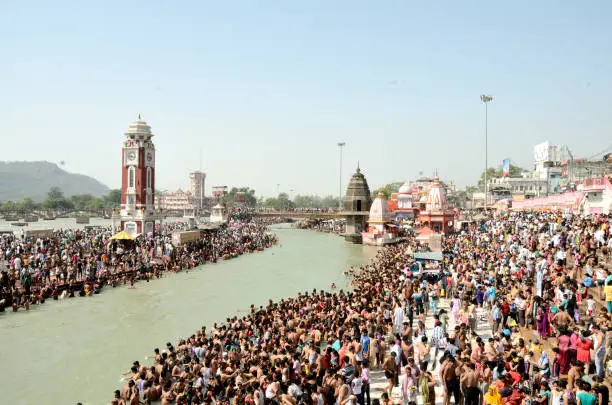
377, 377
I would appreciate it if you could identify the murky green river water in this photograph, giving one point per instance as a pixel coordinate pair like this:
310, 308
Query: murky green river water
75, 350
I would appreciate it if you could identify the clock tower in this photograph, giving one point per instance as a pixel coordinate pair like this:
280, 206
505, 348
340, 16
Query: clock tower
137, 214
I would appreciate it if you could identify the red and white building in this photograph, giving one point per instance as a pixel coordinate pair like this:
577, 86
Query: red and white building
137, 214
437, 214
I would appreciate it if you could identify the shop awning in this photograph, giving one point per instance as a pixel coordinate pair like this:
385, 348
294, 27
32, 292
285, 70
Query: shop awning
123, 235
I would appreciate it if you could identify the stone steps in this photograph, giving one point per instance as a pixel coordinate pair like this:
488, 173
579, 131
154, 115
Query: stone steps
378, 381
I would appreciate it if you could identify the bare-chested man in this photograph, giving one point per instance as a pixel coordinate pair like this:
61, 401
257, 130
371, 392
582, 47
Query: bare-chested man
390, 368
448, 372
469, 380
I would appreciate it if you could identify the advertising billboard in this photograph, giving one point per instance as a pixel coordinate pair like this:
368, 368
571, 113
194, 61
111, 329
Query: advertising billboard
541, 152
506, 167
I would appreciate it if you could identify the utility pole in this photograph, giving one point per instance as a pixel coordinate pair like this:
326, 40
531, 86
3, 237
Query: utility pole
486, 100
340, 147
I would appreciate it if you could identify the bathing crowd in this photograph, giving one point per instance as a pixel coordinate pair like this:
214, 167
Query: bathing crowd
541, 280
81, 262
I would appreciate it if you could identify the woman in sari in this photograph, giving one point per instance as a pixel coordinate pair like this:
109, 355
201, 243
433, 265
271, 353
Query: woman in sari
427, 388
563, 346
542, 322
492, 397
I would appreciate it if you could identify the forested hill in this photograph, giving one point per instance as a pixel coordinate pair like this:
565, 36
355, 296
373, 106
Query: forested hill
19, 180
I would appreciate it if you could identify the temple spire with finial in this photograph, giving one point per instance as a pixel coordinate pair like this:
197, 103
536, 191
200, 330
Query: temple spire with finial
139, 117
358, 169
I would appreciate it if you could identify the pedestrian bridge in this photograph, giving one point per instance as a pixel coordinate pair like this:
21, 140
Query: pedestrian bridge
309, 215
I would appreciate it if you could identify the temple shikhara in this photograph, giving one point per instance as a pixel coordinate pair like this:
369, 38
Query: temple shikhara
381, 229
137, 214
357, 202
437, 215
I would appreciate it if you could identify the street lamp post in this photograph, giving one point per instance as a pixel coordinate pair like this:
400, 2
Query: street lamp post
340, 146
486, 100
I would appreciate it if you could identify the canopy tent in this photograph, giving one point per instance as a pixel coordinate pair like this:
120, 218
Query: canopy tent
123, 235
424, 256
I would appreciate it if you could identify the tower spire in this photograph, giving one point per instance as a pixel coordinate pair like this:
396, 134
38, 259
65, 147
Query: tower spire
139, 117
358, 169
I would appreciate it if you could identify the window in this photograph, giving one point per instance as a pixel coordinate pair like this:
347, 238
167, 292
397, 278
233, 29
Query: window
148, 177
131, 177
358, 205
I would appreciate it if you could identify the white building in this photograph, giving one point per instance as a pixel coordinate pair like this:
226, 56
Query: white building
178, 201
218, 213
547, 160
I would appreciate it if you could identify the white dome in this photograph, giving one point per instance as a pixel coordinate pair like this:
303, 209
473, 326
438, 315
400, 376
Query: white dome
405, 188
379, 212
139, 129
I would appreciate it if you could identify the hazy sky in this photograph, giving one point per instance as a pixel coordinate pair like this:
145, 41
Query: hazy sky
266, 89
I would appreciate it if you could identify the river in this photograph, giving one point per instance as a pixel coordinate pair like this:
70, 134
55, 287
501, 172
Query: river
67, 351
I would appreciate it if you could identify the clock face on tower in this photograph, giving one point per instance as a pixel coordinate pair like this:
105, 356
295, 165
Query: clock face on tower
149, 158
131, 157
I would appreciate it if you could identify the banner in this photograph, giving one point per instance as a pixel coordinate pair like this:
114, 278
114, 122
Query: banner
506, 167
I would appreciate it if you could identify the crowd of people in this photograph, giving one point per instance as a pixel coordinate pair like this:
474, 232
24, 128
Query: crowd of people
72, 263
532, 276
336, 226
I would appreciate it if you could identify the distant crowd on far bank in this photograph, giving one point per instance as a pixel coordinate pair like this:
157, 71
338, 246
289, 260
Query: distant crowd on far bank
73, 263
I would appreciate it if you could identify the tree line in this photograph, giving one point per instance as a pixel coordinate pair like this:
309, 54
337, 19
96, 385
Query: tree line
56, 200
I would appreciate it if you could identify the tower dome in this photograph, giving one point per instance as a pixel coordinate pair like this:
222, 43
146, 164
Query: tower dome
357, 196
379, 212
139, 130
436, 198
405, 189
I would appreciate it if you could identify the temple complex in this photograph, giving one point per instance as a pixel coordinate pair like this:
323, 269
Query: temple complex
437, 215
381, 230
357, 202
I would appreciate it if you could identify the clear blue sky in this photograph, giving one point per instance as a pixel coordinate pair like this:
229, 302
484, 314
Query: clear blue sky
267, 88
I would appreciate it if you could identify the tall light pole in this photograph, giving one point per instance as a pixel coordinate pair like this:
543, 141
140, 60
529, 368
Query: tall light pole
340, 147
486, 100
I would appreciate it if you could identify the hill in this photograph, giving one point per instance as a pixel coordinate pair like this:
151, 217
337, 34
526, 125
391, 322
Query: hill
19, 180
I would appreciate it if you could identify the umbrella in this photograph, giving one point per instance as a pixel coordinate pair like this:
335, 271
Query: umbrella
123, 235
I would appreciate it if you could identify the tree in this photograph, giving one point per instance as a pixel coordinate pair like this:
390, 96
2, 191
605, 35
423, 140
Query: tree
96, 204
271, 202
284, 202
387, 190
9, 206
329, 202
82, 202
27, 204
56, 200
113, 199
55, 194
496, 173
243, 192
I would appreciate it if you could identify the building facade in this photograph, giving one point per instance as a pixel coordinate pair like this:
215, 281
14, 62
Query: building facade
177, 201
196, 188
